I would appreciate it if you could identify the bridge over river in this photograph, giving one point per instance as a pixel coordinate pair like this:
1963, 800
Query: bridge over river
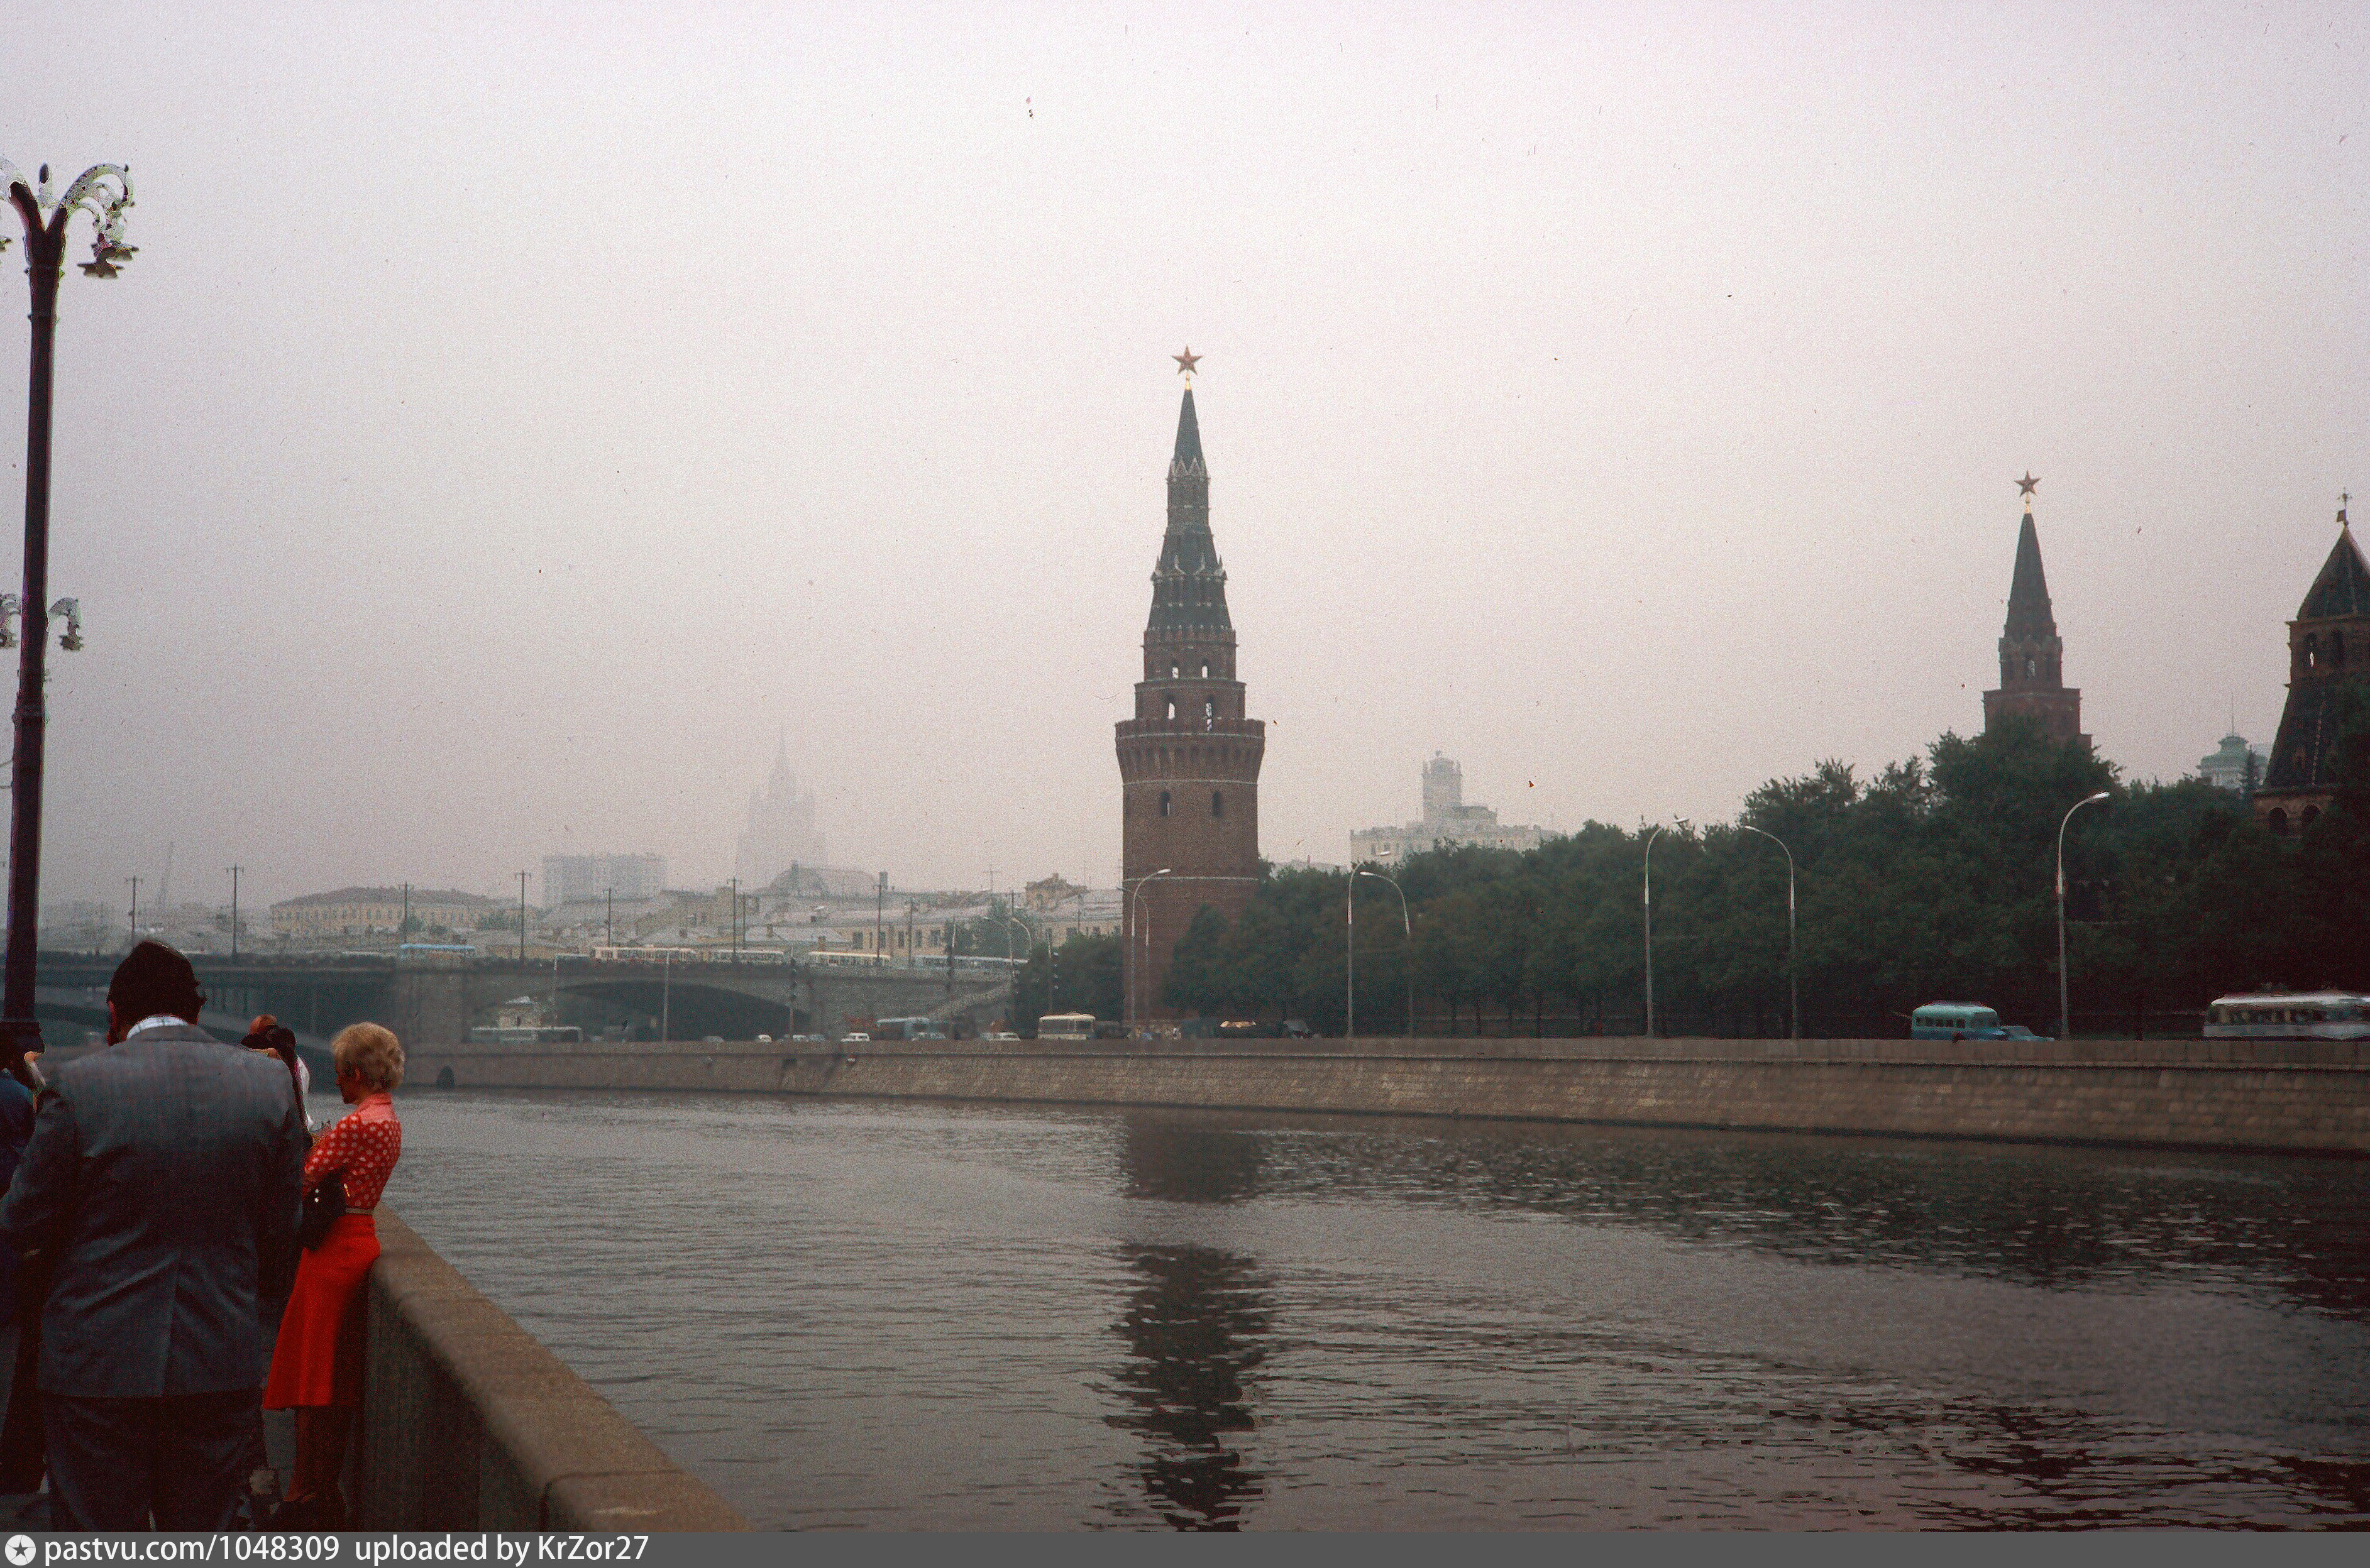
318, 996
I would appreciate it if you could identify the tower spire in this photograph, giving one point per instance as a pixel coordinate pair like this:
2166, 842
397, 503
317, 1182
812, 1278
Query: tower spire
2033, 684
1188, 459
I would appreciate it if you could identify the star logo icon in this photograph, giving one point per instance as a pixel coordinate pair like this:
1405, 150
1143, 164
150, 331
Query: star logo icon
1185, 362
2025, 485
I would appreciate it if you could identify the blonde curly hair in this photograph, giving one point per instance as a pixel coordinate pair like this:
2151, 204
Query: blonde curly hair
371, 1052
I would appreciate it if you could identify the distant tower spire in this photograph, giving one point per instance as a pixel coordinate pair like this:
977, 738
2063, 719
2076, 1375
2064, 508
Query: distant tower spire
2030, 652
2327, 641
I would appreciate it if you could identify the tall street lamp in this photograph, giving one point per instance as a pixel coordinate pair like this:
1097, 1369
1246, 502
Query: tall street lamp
1009, 924
104, 192
1648, 899
2065, 1013
1137, 932
234, 913
1793, 979
1407, 928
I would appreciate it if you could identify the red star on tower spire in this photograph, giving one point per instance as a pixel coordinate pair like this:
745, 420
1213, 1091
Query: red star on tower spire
1185, 362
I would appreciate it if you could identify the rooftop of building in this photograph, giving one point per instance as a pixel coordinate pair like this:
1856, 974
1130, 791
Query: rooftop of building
385, 895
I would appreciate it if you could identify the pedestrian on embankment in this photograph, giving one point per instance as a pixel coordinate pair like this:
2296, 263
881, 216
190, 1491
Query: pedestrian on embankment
158, 1187
317, 1367
277, 1041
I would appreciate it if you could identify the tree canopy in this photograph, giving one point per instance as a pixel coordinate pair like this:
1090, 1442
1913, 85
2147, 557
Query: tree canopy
1934, 880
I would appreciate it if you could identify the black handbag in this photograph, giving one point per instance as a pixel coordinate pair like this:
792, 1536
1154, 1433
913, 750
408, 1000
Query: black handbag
323, 1207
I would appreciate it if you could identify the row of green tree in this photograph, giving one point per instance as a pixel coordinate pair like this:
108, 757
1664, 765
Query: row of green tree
1933, 881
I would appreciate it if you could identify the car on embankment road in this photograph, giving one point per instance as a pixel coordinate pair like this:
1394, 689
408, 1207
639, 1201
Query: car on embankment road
1965, 1021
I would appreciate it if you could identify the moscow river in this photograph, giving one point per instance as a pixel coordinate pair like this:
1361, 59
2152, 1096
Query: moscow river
934, 1316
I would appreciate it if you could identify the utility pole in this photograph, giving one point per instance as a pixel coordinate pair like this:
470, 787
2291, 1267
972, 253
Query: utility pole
522, 875
611, 894
234, 913
913, 955
736, 921
403, 927
136, 909
880, 921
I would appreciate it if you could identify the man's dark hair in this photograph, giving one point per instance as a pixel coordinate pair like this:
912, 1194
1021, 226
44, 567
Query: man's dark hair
154, 979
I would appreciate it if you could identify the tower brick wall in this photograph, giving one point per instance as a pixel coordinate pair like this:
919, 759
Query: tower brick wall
1190, 758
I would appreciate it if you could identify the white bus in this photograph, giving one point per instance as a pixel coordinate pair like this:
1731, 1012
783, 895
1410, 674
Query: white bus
1066, 1027
2290, 1016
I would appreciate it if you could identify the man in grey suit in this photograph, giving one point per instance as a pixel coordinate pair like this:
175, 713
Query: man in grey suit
160, 1181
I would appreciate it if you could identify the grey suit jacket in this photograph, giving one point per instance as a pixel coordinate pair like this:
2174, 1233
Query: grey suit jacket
164, 1173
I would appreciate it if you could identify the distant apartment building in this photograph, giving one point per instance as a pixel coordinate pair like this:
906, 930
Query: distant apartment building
1447, 822
377, 911
573, 878
2237, 766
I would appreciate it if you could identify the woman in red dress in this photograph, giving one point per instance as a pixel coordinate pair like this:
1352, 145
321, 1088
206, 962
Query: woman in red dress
316, 1365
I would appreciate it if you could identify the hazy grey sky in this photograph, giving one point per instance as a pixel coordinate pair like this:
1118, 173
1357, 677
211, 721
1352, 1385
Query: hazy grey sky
517, 415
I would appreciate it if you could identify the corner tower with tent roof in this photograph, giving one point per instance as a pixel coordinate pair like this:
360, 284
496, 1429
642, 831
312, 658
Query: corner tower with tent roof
2032, 654
1189, 761
2329, 651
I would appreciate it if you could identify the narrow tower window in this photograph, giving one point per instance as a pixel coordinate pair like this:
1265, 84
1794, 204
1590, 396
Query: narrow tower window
1164, 803
1205, 669
2337, 650
1172, 707
2311, 651
1217, 802
2028, 667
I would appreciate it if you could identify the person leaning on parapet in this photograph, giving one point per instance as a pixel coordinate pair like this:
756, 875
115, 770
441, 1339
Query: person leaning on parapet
277, 1041
162, 1181
317, 1367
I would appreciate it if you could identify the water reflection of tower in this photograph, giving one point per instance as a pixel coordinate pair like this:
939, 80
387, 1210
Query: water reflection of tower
1196, 1328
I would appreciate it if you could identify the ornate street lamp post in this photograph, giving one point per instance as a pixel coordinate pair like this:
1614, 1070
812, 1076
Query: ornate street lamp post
1793, 981
103, 192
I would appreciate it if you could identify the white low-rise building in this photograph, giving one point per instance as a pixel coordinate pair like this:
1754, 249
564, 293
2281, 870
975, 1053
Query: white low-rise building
1448, 823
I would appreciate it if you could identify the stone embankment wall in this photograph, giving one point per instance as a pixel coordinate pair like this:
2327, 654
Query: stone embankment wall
2301, 1097
469, 1424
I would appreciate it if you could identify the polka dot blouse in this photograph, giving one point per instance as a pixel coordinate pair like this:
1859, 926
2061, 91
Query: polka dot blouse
365, 1144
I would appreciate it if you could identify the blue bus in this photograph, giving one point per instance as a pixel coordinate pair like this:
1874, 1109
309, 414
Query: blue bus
1963, 1020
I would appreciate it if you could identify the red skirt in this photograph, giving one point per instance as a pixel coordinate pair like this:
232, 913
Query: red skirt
318, 1357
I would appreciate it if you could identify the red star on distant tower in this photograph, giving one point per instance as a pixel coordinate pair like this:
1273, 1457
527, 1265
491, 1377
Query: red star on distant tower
1185, 362
2025, 485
